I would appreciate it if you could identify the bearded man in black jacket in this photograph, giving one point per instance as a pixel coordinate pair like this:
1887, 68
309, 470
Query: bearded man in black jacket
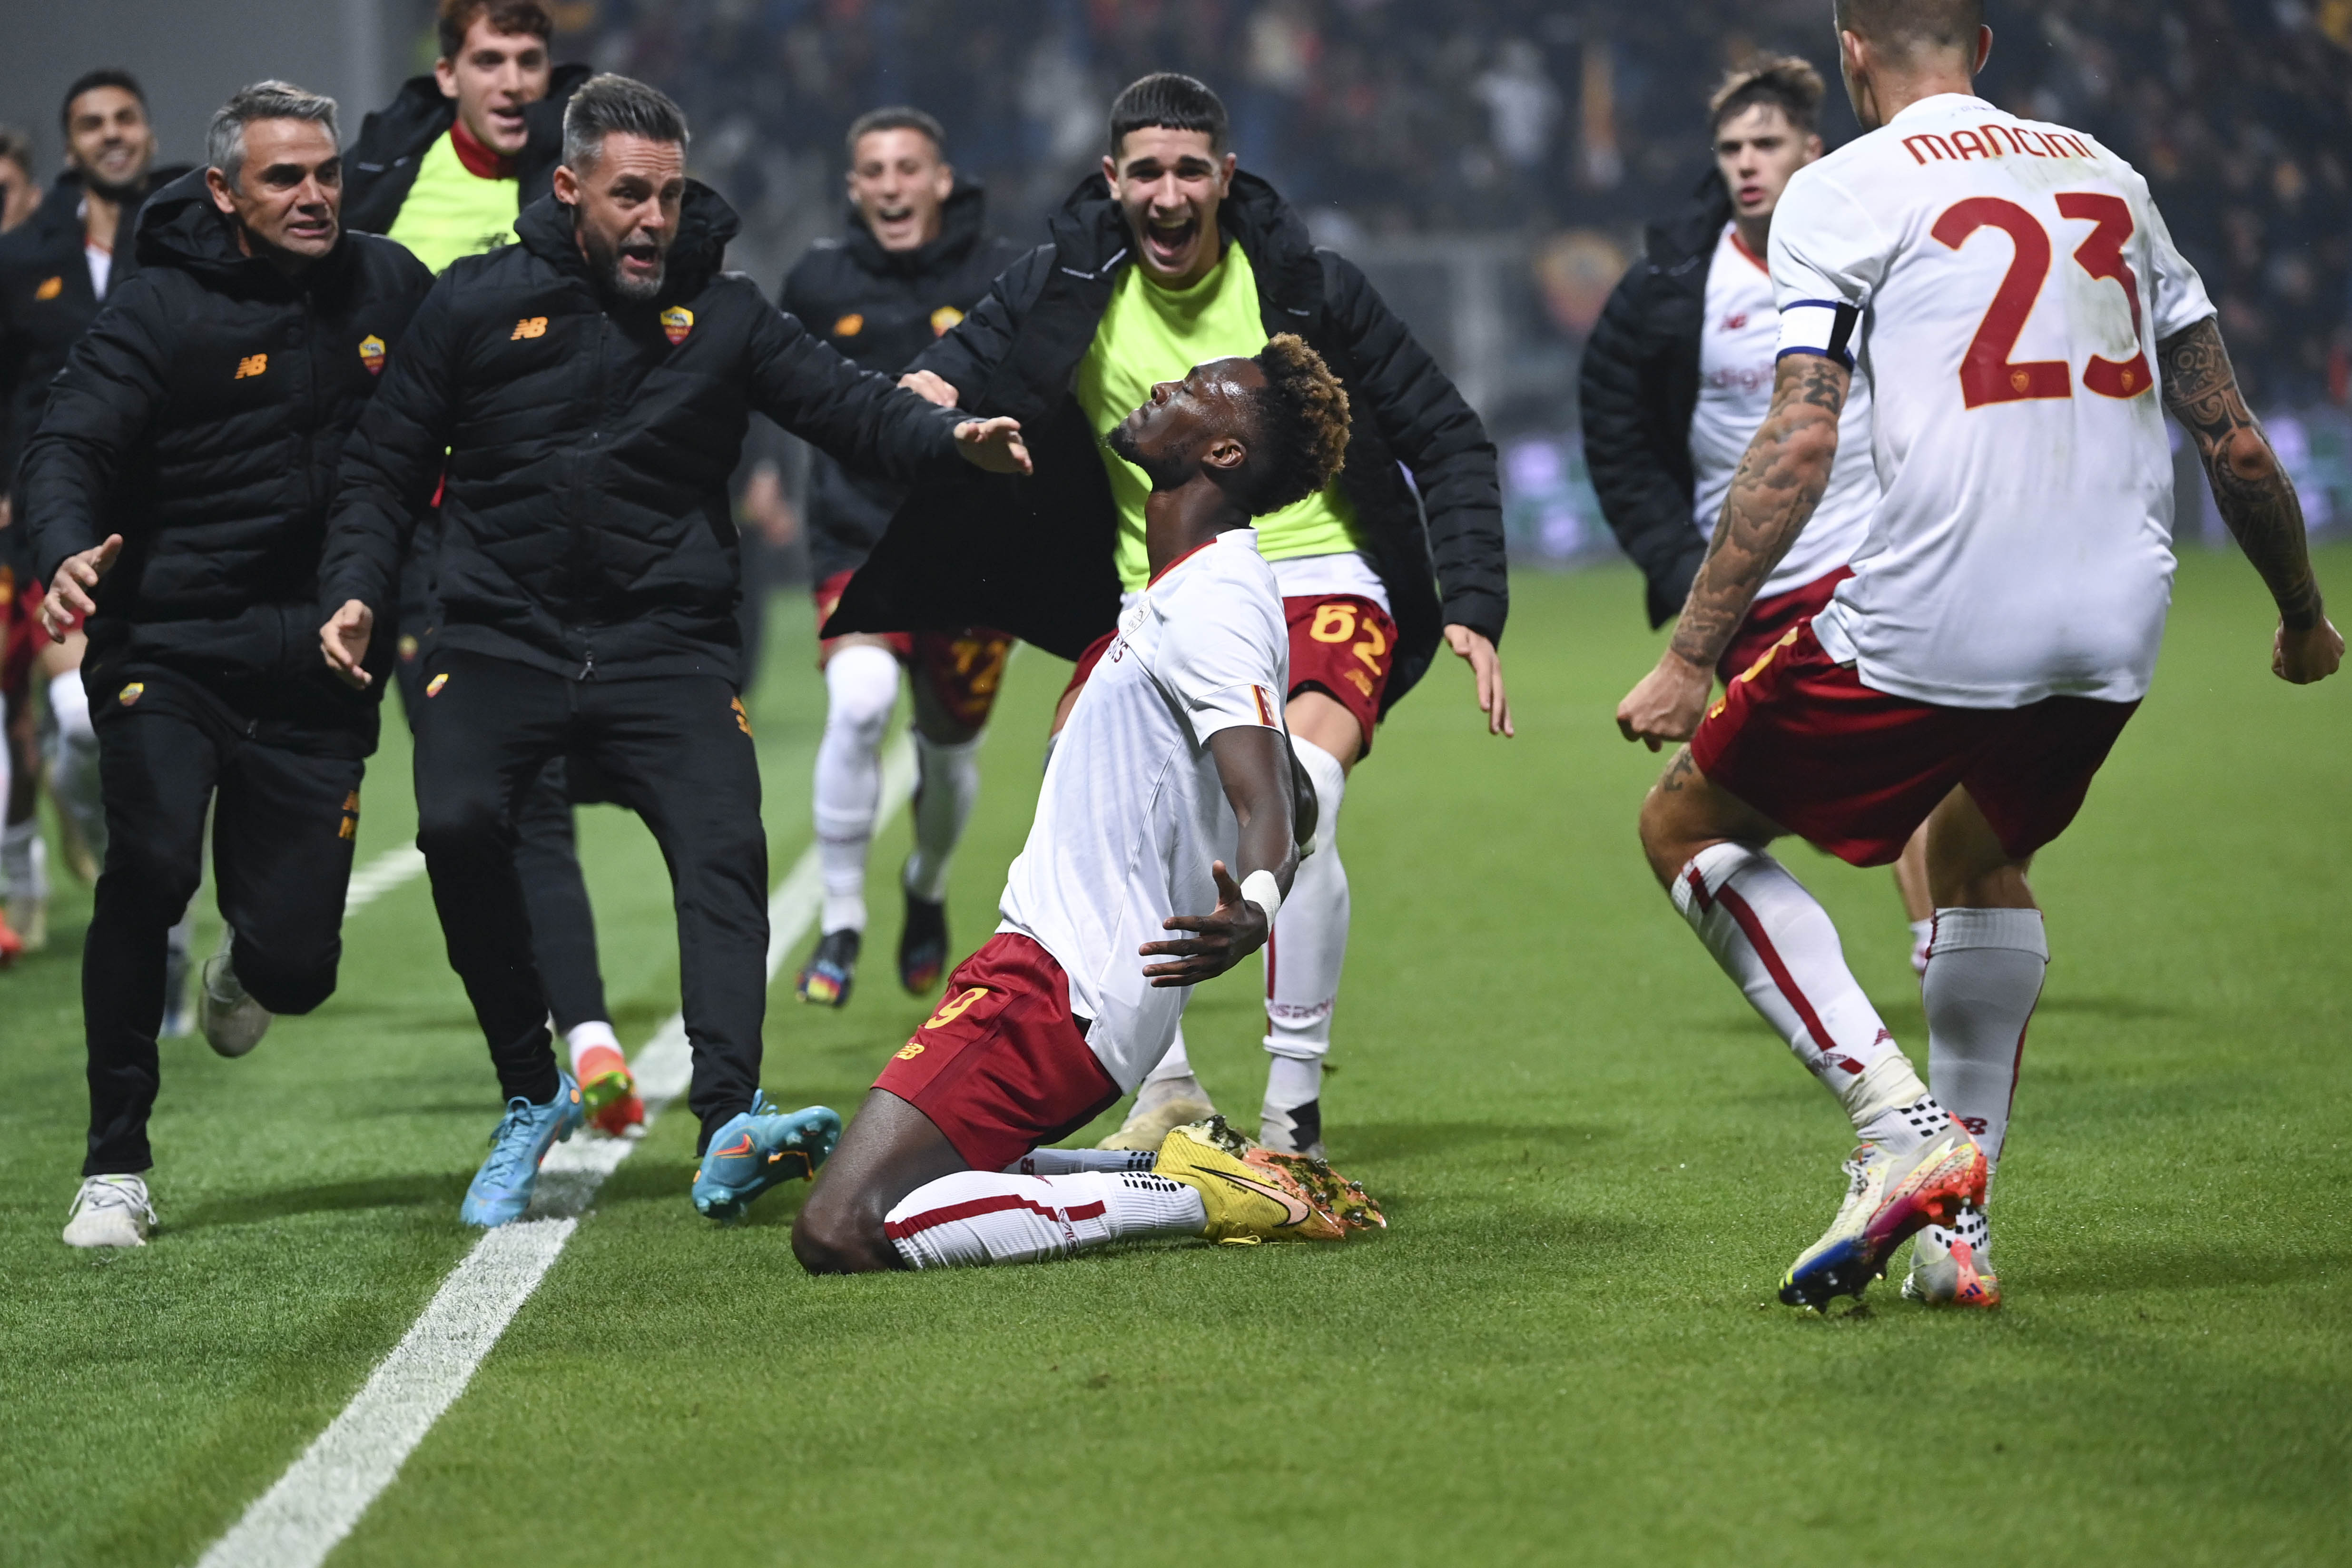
590, 388
1172, 256
176, 490
914, 261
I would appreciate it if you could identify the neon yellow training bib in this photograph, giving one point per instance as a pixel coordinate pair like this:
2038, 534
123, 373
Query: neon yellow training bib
1152, 334
452, 212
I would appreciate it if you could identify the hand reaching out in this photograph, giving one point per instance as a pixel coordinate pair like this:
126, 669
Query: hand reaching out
994, 444
1236, 930
345, 640
68, 602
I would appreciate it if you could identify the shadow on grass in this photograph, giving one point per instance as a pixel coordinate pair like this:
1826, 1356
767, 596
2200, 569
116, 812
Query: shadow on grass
2127, 1009
1405, 1140
2158, 1270
418, 1191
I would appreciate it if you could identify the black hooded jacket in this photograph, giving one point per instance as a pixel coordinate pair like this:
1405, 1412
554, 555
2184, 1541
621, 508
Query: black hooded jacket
585, 528
1638, 390
881, 308
382, 164
46, 302
1035, 556
202, 417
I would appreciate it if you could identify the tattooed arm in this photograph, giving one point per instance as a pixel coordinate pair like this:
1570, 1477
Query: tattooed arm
2256, 499
1779, 482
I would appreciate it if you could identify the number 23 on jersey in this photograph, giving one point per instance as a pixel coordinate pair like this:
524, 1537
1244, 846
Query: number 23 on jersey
1988, 374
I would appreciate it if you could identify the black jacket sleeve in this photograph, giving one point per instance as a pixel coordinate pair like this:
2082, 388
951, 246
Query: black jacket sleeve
99, 405
1648, 510
393, 462
858, 416
967, 355
1425, 422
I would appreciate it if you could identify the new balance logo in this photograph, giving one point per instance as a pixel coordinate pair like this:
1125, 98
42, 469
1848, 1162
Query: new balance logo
251, 364
529, 327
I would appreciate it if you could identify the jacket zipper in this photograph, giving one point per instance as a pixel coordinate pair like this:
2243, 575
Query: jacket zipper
581, 491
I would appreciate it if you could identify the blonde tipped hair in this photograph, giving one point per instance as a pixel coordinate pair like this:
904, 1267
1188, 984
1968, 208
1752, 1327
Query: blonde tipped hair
1785, 82
1302, 417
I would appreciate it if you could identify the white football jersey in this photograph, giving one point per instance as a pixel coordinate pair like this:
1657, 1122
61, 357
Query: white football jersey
2003, 283
1132, 811
1738, 344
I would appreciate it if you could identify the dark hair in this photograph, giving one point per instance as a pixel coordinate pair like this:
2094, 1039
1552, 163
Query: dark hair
611, 105
16, 147
224, 138
1302, 425
1169, 100
896, 117
1777, 82
1905, 27
90, 81
507, 17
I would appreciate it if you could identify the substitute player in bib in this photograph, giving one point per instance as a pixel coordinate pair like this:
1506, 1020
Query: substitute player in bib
1173, 767
2018, 304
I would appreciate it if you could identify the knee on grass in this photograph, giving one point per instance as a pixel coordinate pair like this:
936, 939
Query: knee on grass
842, 1238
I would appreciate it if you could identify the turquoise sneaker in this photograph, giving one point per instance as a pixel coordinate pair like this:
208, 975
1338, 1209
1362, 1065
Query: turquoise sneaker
502, 1187
757, 1149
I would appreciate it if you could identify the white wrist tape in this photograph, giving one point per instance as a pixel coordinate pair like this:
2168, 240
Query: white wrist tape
1260, 888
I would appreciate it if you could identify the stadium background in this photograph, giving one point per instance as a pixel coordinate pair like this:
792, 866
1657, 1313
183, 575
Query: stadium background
1490, 161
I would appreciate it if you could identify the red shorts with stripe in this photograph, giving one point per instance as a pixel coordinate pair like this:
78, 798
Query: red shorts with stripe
962, 669
1001, 1068
20, 629
1856, 772
1340, 645
1768, 621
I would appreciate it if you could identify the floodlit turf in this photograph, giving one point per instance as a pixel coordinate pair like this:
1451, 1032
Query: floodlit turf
1595, 1160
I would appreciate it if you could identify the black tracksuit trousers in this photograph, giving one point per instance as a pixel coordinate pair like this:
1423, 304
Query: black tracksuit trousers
673, 749
283, 825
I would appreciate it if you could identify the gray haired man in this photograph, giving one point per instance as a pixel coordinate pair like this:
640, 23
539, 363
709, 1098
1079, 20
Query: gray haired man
590, 387
176, 491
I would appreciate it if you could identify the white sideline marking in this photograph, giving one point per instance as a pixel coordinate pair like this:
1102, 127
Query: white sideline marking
323, 1494
380, 876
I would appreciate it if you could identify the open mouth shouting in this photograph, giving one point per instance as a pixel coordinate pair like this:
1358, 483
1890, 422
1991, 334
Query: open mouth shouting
1169, 239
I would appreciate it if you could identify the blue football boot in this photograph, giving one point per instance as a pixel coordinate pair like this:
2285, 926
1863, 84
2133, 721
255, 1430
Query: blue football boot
501, 1189
757, 1149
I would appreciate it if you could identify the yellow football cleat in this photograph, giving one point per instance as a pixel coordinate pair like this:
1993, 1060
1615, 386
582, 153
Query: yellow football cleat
1246, 1202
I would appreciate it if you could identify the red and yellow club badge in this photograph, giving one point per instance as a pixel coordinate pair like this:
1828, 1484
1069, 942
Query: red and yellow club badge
433, 686
677, 322
371, 354
131, 693
943, 321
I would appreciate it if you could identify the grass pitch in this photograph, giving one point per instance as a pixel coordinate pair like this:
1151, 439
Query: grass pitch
1596, 1161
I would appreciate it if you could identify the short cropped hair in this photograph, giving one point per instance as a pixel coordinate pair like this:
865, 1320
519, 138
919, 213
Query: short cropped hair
225, 141
90, 81
1302, 425
1905, 27
611, 105
1775, 82
896, 117
1169, 100
509, 16
16, 147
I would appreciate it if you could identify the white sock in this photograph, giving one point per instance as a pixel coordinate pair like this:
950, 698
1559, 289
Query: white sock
861, 686
947, 781
585, 1037
1776, 941
1309, 941
1070, 1161
25, 859
1177, 1063
1984, 975
989, 1216
73, 768
1921, 932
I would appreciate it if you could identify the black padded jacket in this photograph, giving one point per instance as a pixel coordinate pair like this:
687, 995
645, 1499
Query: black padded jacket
202, 417
381, 167
881, 308
1034, 556
1637, 391
586, 526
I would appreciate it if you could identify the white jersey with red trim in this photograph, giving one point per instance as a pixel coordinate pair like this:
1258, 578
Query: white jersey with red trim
1737, 346
2003, 283
1132, 812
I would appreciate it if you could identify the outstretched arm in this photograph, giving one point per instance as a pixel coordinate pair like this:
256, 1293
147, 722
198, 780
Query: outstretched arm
2256, 499
1779, 482
1254, 764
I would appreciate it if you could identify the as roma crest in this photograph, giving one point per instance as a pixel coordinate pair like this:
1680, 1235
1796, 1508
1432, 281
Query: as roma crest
371, 354
943, 321
677, 322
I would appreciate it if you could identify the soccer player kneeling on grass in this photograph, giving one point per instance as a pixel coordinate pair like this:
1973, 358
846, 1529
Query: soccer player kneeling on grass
1175, 766
1998, 629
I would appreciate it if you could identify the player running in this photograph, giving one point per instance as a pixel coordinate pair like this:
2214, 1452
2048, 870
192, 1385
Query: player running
2012, 292
1173, 766
914, 261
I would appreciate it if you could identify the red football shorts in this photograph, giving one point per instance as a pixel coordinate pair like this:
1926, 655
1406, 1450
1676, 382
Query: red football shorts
1340, 645
1768, 621
20, 629
962, 669
1856, 770
1001, 1067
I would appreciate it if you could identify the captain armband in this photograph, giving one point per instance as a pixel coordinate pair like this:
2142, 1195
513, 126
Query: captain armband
1823, 327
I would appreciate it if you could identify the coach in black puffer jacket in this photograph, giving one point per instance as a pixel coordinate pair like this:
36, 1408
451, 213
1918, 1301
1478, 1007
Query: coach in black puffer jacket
202, 417
586, 527
1034, 556
1637, 391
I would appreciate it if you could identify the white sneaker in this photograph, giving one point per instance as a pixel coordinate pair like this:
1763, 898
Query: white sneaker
1161, 1107
1954, 1268
109, 1211
233, 1022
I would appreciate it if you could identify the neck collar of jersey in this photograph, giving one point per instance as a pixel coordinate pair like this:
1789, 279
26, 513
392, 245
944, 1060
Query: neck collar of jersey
1936, 102
482, 161
1179, 560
